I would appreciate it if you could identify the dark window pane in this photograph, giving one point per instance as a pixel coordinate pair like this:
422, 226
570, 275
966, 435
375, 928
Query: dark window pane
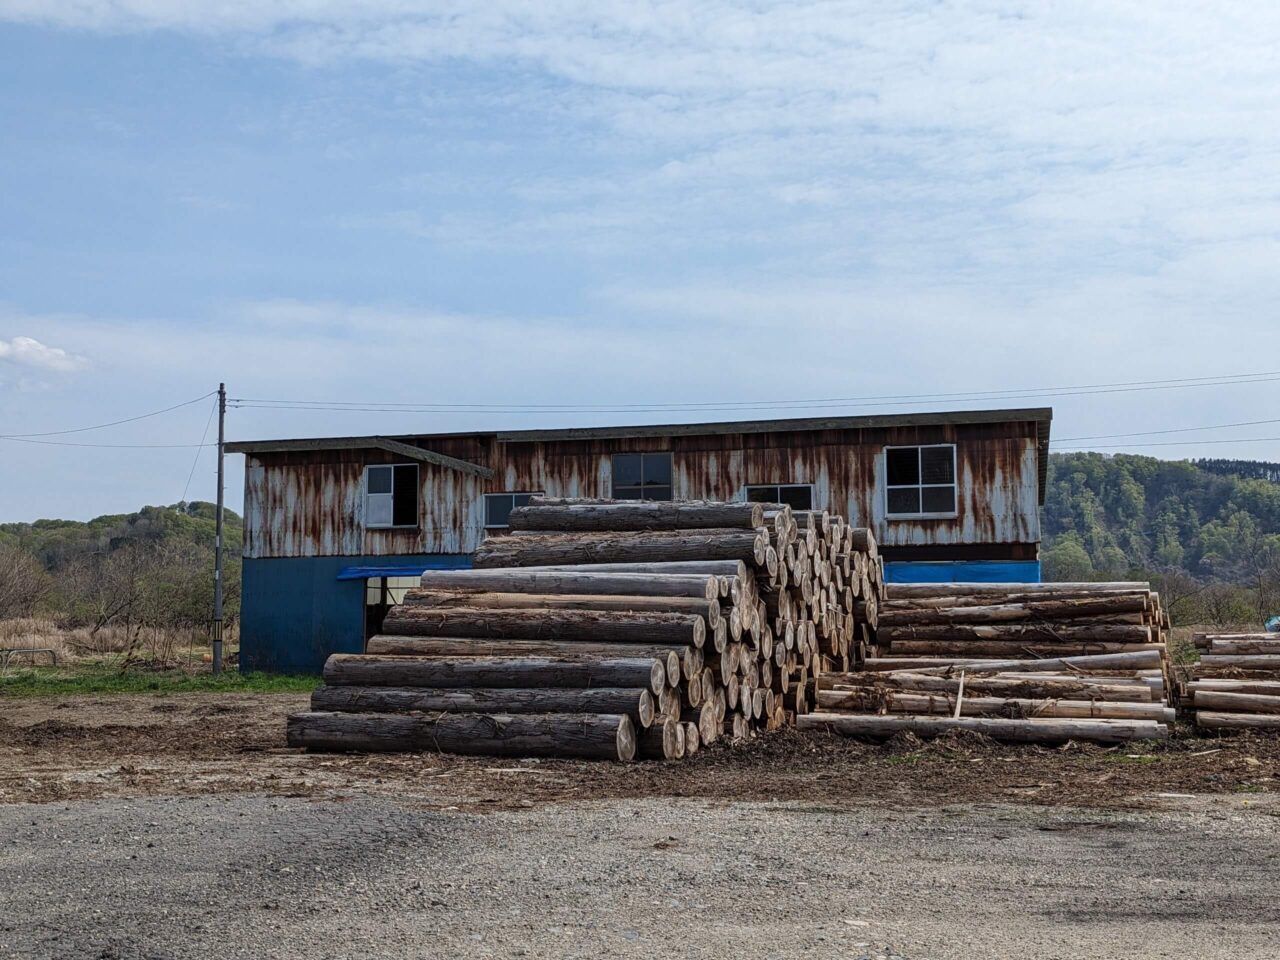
937, 465
657, 493
902, 465
628, 493
798, 498
939, 499
404, 502
497, 510
906, 500
657, 469
762, 494
521, 499
379, 480
626, 470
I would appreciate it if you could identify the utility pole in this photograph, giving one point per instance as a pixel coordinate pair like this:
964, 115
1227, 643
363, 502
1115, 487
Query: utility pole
217, 546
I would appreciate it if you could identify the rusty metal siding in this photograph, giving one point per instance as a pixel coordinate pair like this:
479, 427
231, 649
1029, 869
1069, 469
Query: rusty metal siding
304, 504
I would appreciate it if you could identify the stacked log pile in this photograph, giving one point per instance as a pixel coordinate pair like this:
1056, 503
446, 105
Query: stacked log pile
1020, 662
611, 629
1236, 684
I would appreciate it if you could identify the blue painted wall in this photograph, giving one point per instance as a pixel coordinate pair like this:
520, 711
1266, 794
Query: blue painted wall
294, 611
964, 571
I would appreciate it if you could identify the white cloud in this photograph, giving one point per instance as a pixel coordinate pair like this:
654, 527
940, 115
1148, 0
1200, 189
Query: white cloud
29, 352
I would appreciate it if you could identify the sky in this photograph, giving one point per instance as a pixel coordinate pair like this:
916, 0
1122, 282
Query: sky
632, 212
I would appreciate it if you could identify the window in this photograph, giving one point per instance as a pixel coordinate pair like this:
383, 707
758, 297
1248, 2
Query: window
642, 476
920, 481
498, 506
798, 496
391, 495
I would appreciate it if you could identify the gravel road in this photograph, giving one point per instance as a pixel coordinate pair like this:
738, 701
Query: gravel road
273, 877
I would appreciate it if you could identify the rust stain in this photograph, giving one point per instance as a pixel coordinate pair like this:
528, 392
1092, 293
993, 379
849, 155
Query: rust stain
311, 503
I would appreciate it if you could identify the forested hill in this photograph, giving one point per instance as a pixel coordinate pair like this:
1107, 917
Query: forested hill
1109, 516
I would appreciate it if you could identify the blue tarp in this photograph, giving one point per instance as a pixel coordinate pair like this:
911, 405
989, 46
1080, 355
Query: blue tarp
963, 571
403, 569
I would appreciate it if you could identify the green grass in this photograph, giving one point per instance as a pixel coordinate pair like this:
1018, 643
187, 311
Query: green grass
51, 681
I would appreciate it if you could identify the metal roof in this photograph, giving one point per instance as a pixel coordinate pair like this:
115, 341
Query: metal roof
1041, 416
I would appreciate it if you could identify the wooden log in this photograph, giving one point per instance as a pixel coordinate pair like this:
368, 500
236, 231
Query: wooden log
976, 706
1247, 662
987, 599
685, 568
1031, 686
1025, 632
531, 580
1008, 648
1212, 720
1234, 647
497, 672
634, 702
676, 659
642, 546
1039, 611
690, 606
1232, 702
662, 741
538, 624
1105, 662
904, 590
588, 736
1269, 688
1019, 731
692, 739
636, 515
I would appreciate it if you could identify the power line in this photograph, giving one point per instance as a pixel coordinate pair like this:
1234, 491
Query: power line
1173, 443
113, 423
1156, 433
112, 446
902, 399
203, 436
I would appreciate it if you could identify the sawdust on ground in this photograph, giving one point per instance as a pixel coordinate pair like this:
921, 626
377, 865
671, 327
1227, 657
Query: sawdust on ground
82, 747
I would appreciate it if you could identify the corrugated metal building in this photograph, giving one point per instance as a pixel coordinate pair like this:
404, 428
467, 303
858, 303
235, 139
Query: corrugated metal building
335, 528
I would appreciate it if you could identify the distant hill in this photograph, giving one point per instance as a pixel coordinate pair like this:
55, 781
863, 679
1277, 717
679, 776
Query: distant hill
1113, 515
54, 543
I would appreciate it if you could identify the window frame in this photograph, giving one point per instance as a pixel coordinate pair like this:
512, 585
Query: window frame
670, 485
920, 485
748, 487
506, 493
417, 486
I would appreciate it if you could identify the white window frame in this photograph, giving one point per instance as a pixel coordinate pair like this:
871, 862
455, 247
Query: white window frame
390, 497
748, 487
954, 484
505, 493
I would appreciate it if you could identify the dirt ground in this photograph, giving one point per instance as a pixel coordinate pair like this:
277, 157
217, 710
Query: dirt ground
62, 748
149, 827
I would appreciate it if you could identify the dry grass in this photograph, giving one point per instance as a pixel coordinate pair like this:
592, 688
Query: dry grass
166, 646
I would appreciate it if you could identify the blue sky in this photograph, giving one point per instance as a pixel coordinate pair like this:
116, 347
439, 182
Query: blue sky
604, 204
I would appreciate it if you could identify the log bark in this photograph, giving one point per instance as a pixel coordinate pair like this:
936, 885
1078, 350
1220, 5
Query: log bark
676, 659
1020, 731
1009, 648
646, 546
718, 568
987, 599
526, 580
1231, 702
1032, 686
976, 706
1040, 611
1104, 663
1234, 647
636, 515
905, 590
587, 736
709, 610
1211, 720
636, 703
538, 624
662, 741
1026, 632
1265, 687
504, 672
1246, 662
